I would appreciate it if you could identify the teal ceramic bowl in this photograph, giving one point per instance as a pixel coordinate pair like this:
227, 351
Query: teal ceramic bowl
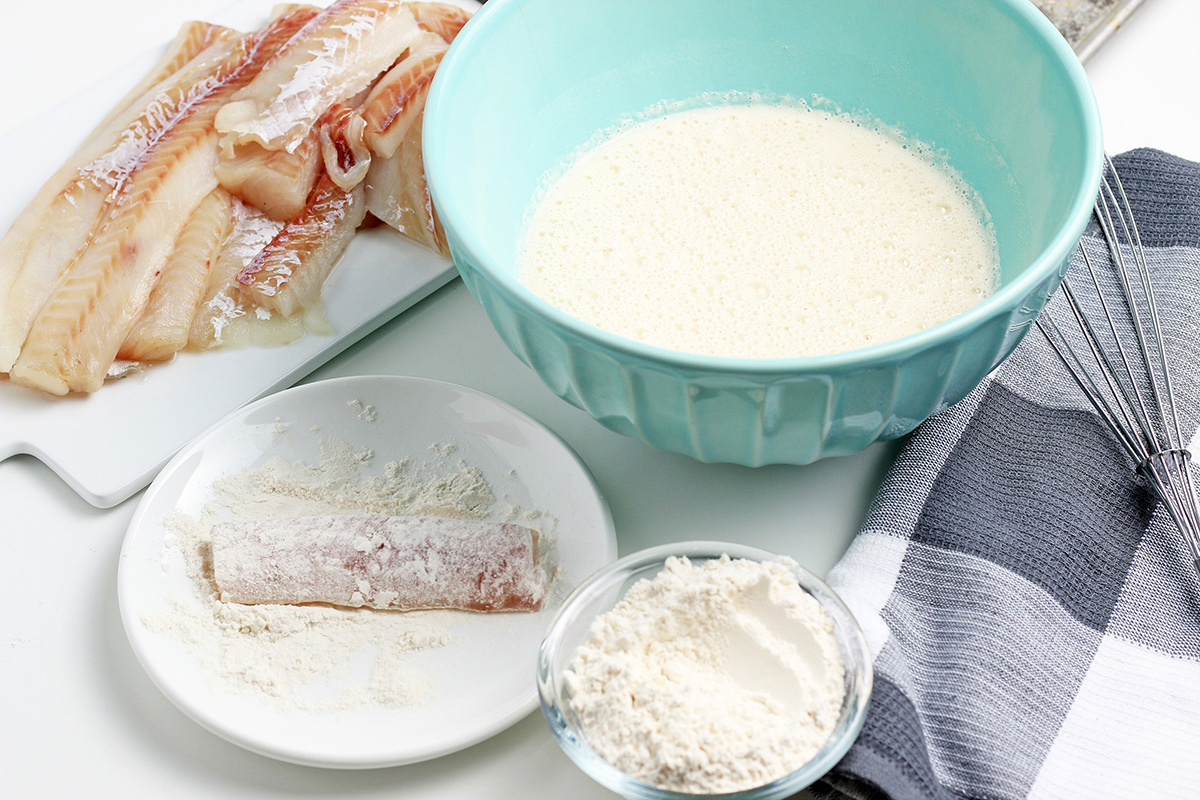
989, 82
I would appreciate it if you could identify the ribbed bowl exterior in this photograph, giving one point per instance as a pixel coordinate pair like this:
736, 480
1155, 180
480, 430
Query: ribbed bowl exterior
755, 418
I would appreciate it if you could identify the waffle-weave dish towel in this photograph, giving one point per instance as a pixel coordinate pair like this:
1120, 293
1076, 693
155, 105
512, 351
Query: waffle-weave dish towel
1033, 614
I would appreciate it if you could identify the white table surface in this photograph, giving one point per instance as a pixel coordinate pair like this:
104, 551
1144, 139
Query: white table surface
80, 719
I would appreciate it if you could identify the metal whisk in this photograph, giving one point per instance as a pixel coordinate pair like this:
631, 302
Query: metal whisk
1117, 357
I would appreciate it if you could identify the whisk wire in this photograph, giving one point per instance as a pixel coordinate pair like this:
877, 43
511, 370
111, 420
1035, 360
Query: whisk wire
1122, 383
1129, 228
1111, 412
1127, 382
1167, 399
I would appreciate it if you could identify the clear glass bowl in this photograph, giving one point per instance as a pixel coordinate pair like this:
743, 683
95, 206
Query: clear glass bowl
605, 588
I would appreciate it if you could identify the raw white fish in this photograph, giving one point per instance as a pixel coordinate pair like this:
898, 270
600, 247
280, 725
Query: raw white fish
343, 146
192, 38
163, 328
53, 229
289, 272
334, 57
398, 194
77, 333
276, 182
442, 18
222, 306
399, 97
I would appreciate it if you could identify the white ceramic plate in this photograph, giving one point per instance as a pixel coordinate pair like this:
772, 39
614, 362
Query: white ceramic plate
484, 679
111, 443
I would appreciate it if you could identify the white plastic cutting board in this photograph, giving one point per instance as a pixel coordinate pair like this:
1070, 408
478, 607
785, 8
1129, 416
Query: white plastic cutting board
110, 444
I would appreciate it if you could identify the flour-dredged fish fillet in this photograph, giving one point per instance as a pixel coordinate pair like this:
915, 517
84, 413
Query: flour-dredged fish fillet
377, 561
336, 55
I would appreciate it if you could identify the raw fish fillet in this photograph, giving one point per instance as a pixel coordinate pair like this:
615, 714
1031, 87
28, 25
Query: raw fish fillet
192, 39
49, 234
32, 261
289, 272
105, 261
77, 333
282, 9
334, 57
442, 18
398, 98
276, 182
344, 147
163, 329
399, 196
221, 305
377, 561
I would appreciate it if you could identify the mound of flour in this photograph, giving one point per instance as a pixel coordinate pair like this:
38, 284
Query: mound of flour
709, 678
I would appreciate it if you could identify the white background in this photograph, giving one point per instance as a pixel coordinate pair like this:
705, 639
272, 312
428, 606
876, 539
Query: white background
79, 718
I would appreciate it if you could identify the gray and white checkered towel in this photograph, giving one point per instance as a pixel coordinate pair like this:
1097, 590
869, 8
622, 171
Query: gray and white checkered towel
1034, 615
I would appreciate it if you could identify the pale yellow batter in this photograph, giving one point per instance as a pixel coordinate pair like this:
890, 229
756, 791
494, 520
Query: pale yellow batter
759, 231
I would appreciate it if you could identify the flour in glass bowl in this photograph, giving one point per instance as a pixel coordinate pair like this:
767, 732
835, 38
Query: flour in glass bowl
322, 658
710, 677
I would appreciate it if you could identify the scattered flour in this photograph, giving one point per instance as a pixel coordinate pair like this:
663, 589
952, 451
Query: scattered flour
709, 678
365, 413
322, 658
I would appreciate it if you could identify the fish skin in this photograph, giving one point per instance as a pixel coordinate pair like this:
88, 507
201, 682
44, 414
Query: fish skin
163, 328
288, 274
334, 57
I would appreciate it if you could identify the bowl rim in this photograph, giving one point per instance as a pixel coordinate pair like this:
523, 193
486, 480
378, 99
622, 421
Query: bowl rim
1041, 267
850, 720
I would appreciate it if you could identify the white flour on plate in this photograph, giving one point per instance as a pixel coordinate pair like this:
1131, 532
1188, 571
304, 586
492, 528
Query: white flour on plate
321, 658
